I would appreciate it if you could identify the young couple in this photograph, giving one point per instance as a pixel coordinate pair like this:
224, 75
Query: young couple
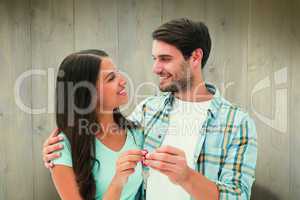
187, 143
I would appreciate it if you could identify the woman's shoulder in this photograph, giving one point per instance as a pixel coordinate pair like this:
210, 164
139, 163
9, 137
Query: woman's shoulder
65, 140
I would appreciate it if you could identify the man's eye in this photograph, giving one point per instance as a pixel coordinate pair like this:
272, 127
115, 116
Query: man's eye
165, 59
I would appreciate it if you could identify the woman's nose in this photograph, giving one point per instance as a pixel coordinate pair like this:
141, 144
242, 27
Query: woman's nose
122, 81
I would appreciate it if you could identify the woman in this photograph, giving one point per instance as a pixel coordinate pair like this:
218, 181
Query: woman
101, 155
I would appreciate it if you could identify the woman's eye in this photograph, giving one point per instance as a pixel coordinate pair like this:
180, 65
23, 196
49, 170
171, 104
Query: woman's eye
112, 77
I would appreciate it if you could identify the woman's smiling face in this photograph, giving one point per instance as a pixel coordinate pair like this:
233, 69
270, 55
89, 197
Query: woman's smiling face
110, 86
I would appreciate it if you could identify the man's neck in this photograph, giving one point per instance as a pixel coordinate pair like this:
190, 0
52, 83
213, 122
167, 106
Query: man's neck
197, 93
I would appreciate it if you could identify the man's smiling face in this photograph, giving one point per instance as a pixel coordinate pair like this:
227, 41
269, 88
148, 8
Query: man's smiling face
171, 67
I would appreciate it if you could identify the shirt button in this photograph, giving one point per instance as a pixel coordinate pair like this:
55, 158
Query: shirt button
159, 136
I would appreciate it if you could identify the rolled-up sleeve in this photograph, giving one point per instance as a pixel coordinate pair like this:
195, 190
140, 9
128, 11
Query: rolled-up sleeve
238, 172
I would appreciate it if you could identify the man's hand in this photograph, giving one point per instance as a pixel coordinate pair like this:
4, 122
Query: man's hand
51, 145
171, 162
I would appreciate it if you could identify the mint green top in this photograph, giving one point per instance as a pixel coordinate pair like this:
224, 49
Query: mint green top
107, 158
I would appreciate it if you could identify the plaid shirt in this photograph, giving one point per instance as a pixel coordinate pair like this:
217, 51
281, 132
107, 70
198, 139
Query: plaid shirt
225, 153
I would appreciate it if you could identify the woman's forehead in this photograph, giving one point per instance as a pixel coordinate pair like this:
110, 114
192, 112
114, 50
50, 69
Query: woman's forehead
107, 66
107, 62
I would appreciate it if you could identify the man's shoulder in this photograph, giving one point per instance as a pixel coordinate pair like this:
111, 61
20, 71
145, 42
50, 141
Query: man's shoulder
229, 110
230, 119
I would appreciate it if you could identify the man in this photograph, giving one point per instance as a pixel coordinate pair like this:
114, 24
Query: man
200, 145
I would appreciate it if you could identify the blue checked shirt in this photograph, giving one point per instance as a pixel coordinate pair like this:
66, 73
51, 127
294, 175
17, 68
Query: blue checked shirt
225, 153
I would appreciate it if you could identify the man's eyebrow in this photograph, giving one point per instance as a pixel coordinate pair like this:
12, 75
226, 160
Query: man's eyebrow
163, 56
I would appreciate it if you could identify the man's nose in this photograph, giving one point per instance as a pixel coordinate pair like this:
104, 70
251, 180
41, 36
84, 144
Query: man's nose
157, 68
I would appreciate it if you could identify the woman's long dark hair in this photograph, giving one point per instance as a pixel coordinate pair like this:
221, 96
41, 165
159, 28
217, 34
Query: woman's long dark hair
78, 68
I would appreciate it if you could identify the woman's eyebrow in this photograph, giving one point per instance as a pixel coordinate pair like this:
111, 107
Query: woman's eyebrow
109, 74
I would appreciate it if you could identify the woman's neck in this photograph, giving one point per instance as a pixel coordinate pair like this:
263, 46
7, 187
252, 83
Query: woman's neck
108, 126
107, 118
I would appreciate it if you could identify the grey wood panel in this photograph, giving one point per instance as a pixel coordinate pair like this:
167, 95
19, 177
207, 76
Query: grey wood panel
268, 61
96, 26
295, 102
16, 174
52, 39
227, 65
192, 9
136, 20
252, 41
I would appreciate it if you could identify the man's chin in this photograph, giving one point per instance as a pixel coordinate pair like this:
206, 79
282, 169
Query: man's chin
168, 88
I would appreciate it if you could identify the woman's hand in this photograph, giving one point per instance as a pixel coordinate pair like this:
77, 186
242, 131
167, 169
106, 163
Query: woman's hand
125, 166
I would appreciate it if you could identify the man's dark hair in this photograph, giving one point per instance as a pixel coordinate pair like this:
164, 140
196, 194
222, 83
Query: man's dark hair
186, 35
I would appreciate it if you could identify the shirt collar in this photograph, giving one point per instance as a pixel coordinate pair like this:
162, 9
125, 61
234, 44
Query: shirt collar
214, 105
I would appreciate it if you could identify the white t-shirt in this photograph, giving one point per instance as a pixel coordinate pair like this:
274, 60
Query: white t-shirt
186, 120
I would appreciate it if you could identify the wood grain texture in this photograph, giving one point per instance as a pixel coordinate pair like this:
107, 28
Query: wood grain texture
95, 26
192, 9
254, 61
295, 101
52, 39
268, 62
227, 65
16, 162
136, 21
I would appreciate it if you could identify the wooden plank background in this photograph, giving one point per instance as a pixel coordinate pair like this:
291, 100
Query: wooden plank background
255, 43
